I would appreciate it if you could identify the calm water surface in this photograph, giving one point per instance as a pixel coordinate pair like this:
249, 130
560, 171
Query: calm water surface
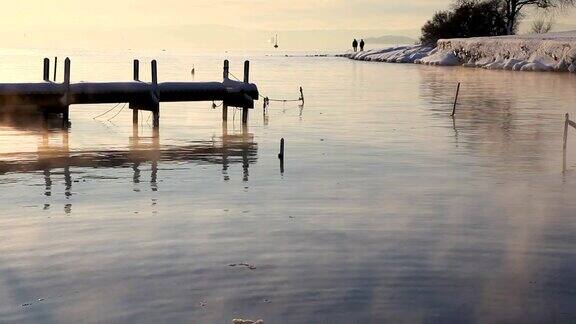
387, 210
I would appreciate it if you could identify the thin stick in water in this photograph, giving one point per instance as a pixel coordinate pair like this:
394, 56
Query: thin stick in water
565, 144
456, 100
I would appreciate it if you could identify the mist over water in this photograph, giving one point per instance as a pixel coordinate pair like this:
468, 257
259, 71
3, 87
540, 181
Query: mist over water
388, 210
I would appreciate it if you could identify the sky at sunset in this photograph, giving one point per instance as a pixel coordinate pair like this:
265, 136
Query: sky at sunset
208, 22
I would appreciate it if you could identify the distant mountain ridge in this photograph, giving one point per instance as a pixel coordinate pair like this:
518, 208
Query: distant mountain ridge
390, 39
199, 37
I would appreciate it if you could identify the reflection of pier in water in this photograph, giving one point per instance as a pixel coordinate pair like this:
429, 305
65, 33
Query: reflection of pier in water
226, 150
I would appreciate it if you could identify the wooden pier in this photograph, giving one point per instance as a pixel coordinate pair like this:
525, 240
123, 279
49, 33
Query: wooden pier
49, 97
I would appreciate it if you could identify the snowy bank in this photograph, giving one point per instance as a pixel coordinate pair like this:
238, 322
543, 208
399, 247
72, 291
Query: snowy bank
541, 52
399, 54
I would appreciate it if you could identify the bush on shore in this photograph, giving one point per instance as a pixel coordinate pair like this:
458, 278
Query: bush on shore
467, 18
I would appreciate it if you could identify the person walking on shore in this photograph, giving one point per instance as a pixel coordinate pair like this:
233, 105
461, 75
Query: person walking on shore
361, 45
355, 44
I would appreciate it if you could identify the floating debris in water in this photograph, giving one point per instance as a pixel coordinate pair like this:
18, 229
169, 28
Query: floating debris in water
242, 321
249, 266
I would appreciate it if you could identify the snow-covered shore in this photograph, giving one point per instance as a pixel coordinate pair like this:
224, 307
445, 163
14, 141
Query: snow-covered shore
542, 52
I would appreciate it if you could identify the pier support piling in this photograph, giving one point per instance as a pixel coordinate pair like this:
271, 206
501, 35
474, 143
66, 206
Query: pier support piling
246, 71
156, 95
245, 115
245, 110
67, 71
49, 97
156, 117
134, 114
133, 106
46, 76
302, 95
225, 76
154, 66
136, 70
66, 117
226, 72
66, 106
55, 67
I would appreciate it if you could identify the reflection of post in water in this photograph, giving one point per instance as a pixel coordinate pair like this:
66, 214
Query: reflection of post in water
245, 163
236, 145
47, 178
155, 157
154, 176
67, 174
225, 161
145, 151
236, 148
49, 152
135, 143
265, 118
136, 169
455, 131
47, 183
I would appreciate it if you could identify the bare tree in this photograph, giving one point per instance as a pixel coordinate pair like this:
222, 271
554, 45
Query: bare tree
542, 26
514, 8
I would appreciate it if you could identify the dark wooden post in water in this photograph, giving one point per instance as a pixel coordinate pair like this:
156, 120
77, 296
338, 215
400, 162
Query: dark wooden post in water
246, 80
66, 108
565, 144
55, 67
302, 95
136, 78
46, 76
225, 76
455, 100
155, 95
281, 155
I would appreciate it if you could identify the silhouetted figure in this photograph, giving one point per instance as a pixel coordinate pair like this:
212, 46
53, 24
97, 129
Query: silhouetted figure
355, 44
361, 45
